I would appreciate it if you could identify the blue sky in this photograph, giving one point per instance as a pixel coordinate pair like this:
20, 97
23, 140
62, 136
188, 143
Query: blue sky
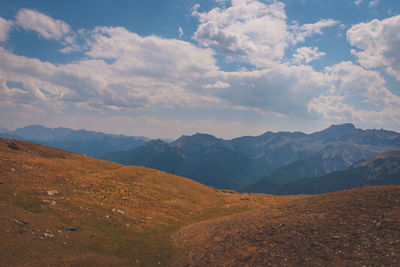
228, 68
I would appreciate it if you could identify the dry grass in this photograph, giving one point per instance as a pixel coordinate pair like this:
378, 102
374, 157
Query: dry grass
125, 215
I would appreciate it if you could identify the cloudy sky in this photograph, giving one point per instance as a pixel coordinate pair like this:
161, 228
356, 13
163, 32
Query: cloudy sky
225, 67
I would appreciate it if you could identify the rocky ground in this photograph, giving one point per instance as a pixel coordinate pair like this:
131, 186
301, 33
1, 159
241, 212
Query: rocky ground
358, 227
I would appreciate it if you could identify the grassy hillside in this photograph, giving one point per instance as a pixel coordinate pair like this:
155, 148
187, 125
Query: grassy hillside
61, 208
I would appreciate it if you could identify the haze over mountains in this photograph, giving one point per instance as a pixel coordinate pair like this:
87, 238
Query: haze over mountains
383, 169
283, 156
91, 143
269, 163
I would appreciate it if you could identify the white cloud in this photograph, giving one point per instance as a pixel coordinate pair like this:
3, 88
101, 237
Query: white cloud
373, 3
143, 71
307, 54
283, 89
253, 31
125, 71
248, 28
180, 32
302, 32
378, 43
358, 95
357, 2
5, 27
218, 84
46, 26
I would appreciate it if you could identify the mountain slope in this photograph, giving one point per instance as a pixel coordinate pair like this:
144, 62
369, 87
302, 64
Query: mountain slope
277, 157
383, 169
60, 209
78, 141
155, 154
201, 157
349, 228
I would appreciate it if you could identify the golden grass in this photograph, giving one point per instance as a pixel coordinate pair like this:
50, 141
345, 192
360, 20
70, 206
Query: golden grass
125, 215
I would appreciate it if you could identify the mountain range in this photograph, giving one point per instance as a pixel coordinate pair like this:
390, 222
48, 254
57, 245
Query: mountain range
383, 169
269, 163
79, 141
274, 157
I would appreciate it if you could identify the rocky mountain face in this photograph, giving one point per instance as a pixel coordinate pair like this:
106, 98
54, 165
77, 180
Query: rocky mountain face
201, 157
282, 156
78, 141
383, 169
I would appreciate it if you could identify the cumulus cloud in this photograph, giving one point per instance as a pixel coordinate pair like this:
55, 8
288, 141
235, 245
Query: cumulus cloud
356, 94
307, 54
139, 72
284, 89
377, 43
249, 28
253, 31
302, 32
122, 70
5, 27
46, 26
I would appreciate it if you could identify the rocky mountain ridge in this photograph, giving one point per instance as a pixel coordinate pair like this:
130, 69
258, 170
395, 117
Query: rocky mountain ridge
242, 161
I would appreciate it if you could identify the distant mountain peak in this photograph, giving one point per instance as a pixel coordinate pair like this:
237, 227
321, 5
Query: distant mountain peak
198, 138
336, 130
344, 126
157, 145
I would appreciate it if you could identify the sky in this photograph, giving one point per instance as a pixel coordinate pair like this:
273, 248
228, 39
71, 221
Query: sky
225, 67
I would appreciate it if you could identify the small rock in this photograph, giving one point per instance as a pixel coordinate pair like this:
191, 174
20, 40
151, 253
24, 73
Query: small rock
51, 202
72, 229
21, 223
48, 235
119, 211
13, 145
52, 192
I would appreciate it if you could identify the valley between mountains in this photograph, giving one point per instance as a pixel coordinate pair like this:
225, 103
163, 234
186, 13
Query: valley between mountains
58, 208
